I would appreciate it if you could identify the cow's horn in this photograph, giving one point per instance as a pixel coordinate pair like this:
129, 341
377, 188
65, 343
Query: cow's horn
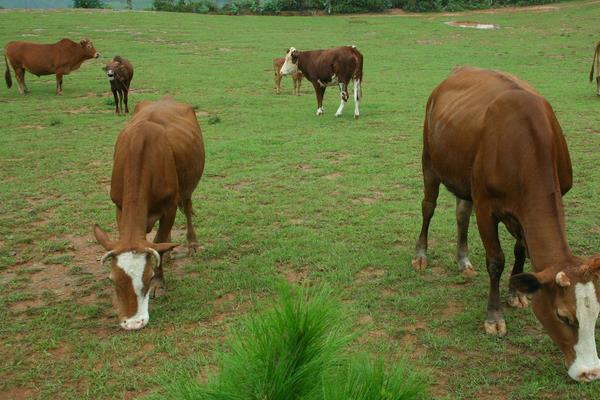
106, 256
562, 279
154, 253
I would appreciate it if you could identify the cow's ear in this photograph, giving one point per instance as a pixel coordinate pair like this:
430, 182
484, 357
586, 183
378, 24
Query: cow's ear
287, 50
102, 238
162, 247
83, 42
525, 283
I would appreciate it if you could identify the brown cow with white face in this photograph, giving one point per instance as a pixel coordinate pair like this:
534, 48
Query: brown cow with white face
496, 144
332, 67
158, 162
58, 59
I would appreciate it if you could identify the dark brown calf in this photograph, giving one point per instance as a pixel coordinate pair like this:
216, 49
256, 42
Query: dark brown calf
330, 67
158, 162
296, 76
59, 58
496, 144
120, 73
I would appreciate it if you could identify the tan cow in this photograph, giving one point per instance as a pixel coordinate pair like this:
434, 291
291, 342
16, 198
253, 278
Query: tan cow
496, 144
158, 162
596, 63
58, 59
296, 76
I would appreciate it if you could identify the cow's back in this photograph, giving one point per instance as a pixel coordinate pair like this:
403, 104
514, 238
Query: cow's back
182, 133
476, 116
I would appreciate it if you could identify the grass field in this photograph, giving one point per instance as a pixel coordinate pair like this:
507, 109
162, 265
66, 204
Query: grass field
285, 196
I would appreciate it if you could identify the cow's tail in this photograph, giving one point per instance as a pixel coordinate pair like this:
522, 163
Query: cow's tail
594, 62
7, 77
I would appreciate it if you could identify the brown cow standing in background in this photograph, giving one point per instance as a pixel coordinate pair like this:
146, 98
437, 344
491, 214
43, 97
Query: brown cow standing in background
330, 67
596, 63
120, 73
158, 162
59, 58
296, 76
496, 144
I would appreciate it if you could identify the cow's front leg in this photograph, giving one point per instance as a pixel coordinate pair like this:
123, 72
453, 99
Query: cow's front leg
116, 96
344, 98
59, 82
320, 91
163, 235
488, 230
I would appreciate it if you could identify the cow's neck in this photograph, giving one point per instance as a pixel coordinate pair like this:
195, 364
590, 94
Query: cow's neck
134, 216
543, 224
303, 63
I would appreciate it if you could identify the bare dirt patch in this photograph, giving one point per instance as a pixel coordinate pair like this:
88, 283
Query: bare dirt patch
376, 195
292, 274
238, 186
334, 176
471, 24
370, 274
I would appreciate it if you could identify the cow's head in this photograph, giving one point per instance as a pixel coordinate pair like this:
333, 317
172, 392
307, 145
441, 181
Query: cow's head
290, 65
88, 49
131, 271
111, 69
567, 303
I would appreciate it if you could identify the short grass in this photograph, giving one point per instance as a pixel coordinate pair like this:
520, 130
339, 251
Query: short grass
285, 196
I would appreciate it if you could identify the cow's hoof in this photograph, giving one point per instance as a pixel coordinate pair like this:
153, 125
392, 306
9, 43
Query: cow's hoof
495, 328
356, 116
517, 300
319, 111
466, 268
192, 249
419, 263
337, 115
157, 287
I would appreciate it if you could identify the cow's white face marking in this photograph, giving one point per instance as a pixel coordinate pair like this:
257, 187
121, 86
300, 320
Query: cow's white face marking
288, 66
133, 264
111, 75
586, 366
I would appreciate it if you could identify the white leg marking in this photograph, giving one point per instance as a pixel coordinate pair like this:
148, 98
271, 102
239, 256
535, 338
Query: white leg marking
586, 366
357, 95
320, 111
342, 102
133, 264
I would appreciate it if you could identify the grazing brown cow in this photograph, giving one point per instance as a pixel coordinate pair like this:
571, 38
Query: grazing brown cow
296, 76
158, 162
59, 58
330, 67
496, 144
120, 73
596, 63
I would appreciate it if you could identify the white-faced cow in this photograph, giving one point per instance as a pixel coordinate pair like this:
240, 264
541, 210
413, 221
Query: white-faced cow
332, 67
596, 63
158, 162
496, 144
58, 59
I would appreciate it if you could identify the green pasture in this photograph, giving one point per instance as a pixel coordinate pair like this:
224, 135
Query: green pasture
285, 196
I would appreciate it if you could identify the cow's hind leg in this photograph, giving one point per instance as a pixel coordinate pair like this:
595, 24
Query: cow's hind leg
516, 298
598, 85
20, 75
488, 230
126, 95
357, 97
431, 186
344, 98
463, 216
163, 235
191, 233
59, 82
278, 83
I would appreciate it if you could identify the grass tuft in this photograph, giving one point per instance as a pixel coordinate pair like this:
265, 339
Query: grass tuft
296, 351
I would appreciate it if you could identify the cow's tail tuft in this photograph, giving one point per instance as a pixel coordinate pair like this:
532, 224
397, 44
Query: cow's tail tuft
594, 62
7, 77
